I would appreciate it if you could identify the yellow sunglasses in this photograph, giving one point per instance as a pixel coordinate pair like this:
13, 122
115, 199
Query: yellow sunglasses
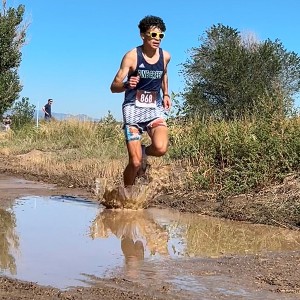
154, 35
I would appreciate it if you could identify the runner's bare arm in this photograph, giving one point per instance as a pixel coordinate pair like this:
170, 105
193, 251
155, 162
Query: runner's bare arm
165, 83
128, 64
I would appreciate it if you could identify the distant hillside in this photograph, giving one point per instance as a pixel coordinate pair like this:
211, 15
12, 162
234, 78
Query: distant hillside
62, 116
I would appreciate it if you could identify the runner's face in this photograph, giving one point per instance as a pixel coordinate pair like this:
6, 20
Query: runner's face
153, 42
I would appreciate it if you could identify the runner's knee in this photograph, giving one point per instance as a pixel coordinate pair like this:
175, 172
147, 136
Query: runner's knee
160, 148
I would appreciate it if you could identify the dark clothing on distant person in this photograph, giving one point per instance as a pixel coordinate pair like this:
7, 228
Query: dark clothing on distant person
48, 110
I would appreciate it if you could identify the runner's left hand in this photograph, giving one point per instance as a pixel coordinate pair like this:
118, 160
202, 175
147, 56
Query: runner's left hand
167, 102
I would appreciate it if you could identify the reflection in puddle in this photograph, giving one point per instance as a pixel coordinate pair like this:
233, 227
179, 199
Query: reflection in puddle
63, 241
8, 240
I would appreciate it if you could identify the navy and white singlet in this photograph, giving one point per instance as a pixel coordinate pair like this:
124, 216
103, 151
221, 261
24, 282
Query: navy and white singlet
144, 102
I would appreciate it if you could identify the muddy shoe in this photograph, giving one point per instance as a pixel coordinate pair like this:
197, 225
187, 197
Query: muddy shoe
143, 169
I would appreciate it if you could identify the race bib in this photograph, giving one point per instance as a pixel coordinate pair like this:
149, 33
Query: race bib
145, 98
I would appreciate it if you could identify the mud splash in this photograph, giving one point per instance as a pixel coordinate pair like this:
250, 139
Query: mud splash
134, 197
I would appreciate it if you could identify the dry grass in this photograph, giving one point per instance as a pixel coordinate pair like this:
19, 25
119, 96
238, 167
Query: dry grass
94, 158
212, 159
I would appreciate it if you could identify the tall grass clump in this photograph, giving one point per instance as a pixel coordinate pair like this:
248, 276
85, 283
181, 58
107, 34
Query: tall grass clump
71, 150
237, 156
91, 138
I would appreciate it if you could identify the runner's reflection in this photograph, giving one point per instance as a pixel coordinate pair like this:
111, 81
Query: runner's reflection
138, 232
134, 255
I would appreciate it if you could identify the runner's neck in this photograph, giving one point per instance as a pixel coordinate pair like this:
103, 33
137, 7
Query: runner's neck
149, 53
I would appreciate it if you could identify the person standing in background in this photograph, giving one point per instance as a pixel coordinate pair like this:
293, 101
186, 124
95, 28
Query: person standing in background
7, 123
47, 110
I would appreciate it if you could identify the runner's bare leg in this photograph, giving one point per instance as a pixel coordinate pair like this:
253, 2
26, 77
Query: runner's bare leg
134, 164
160, 140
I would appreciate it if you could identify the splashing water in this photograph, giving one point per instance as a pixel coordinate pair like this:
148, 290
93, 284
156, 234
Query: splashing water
137, 196
134, 197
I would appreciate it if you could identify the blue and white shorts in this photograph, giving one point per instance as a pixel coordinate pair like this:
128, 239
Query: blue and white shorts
139, 119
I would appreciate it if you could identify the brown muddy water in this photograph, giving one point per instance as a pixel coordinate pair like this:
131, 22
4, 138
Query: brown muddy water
70, 241
66, 241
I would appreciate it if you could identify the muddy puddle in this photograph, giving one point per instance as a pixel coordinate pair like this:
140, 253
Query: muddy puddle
68, 241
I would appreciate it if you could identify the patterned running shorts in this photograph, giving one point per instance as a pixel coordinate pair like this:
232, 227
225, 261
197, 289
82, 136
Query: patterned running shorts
133, 132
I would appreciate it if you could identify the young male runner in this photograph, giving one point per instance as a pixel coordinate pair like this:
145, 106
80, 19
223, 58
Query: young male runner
146, 97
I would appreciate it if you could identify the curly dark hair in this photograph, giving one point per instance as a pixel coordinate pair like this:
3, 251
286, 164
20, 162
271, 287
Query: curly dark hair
150, 21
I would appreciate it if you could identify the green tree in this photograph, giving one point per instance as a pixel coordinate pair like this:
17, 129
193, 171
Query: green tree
22, 113
229, 76
12, 38
108, 119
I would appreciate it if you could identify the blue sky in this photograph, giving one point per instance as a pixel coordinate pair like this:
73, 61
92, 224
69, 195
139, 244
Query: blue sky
74, 48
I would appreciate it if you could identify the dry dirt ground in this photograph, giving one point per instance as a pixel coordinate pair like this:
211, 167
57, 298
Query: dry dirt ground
269, 276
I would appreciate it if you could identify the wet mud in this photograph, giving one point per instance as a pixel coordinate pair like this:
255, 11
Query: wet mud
214, 266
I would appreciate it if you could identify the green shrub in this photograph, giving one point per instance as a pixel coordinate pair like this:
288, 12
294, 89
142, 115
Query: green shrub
237, 156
